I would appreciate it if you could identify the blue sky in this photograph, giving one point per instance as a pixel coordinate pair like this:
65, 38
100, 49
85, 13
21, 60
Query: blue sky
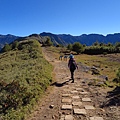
75, 17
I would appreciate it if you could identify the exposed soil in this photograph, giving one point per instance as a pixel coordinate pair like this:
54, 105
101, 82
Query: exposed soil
105, 100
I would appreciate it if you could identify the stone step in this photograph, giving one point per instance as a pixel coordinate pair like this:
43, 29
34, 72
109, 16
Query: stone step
66, 95
84, 93
66, 107
66, 100
74, 91
87, 107
76, 97
76, 103
79, 89
69, 117
79, 111
86, 99
96, 118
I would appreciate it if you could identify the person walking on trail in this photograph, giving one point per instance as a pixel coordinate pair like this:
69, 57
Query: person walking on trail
72, 66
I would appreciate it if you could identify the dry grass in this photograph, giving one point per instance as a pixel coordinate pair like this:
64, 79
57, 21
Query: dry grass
108, 64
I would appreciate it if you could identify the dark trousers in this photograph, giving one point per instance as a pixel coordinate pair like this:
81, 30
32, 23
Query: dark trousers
72, 74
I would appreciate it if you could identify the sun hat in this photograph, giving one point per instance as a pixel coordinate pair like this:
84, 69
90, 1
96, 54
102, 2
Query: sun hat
71, 56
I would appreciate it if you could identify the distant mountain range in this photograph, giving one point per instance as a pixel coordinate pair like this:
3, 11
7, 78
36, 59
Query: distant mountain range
83, 39
64, 39
6, 39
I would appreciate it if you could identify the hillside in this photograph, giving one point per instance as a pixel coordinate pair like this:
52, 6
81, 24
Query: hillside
11, 38
24, 76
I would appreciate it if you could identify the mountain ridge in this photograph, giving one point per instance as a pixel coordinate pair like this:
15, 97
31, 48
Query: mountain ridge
64, 39
87, 39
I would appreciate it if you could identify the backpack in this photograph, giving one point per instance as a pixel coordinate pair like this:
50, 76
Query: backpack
73, 65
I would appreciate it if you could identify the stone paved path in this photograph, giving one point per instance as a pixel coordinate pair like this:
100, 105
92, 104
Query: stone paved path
76, 102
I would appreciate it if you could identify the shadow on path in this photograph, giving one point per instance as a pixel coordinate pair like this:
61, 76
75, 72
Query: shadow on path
60, 84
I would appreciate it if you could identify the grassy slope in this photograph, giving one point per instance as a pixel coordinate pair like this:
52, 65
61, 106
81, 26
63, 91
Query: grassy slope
105, 64
24, 76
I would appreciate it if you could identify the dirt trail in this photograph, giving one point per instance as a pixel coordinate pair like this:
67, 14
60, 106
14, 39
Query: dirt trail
71, 101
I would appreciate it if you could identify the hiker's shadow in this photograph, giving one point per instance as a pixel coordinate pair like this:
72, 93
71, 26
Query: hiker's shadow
57, 84
113, 98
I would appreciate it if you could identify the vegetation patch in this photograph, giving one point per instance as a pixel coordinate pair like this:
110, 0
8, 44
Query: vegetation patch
24, 76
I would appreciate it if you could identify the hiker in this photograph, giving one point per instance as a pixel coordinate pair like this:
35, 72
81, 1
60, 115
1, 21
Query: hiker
65, 57
61, 56
72, 66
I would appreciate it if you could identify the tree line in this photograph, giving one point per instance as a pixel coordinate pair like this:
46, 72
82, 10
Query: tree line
96, 48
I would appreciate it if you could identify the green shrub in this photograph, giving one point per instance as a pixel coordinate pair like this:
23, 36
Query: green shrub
77, 47
104, 53
69, 47
6, 48
48, 42
15, 44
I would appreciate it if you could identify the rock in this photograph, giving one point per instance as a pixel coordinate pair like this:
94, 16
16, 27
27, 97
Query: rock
99, 84
106, 78
51, 106
95, 71
63, 113
53, 117
91, 83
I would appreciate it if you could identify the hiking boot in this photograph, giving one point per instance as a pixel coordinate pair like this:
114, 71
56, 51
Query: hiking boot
72, 81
